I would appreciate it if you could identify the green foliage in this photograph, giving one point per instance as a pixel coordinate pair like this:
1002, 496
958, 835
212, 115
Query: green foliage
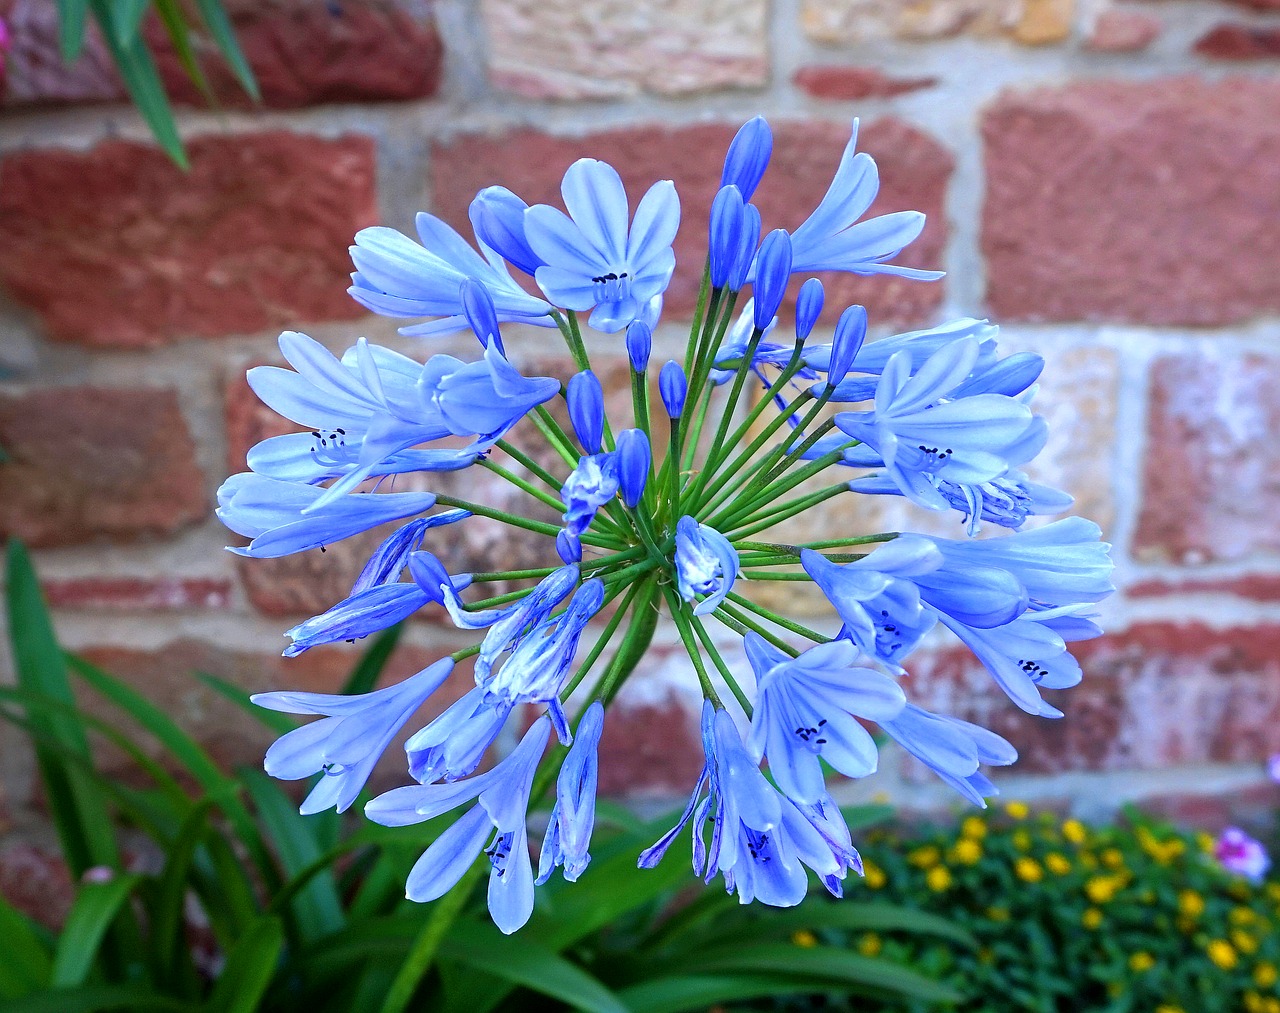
121, 21
309, 912
1135, 918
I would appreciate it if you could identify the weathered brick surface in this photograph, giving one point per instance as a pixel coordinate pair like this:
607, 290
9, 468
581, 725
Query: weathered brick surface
849, 22
305, 53
1231, 41
137, 594
116, 247
1211, 468
1123, 31
1255, 586
914, 170
850, 83
86, 462
619, 48
1155, 695
34, 73
1097, 208
36, 882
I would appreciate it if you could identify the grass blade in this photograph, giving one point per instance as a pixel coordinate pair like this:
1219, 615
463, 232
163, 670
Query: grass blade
26, 964
71, 21
215, 16
250, 968
277, 722
96, 907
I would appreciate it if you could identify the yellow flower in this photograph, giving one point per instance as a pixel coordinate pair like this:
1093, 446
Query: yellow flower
873, 875
869, 945
1244, 942
1168, 1007
1141, 961
1028, 870
1113, 858
1091, 918
1191, 904
805, 938
1017, 810
973, 827
998, 914
1242, 916
925, 858
1273, 891
1222, 953
938, 878
1022, 840
1057, 863
1265, 975
1206, 843
1253, 1003
1271, 1005
966, 851
986, 955
1102, 889
1074, 831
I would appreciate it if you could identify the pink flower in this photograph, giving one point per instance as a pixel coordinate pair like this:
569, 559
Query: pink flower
1241, 854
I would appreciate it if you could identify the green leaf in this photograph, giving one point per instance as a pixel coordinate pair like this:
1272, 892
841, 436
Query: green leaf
77, 809
126, 17
848, 915
699, 992
250, 968
143, 83
826, 965
95, 999
95, 908
317, 907
168, 944
71, 20
277, 722
365, 675
215, 16
521, 961
176, 27
26, 964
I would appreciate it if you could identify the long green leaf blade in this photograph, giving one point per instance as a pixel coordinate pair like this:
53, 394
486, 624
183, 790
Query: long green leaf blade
250, 968
215, 16
96, 999
77, 809
26, 964
71, 21
96, 907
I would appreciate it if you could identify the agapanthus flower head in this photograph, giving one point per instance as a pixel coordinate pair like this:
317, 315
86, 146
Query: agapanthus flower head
667, 514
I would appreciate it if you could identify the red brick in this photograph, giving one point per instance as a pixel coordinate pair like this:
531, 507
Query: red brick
304, 53
37, 883
1212, 468
34, 73
832, 81
1253, 808
167, 677
914, 170
1254, 586
87, 462
1239, 42
138, 594
1153, 696
116, 247
1098, 208
650, 750
1123, 31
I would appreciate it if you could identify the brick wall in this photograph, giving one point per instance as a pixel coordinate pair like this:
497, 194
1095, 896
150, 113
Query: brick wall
1103, 180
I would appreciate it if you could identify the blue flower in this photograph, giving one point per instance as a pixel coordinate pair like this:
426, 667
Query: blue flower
509, 626
573, 816
773, 271
639, 344
748, 156
673, 386
1030, 653
1007, 501
805, 709
346, 743
397, 277
497, 215
392, 556
634, 457
371, 406
725, 235
591, 258
705, 564
452, 745
585, 399
374, 608
592, 484
832, 238
283, 518
761, 840
872, 358
952, 749
808, 308
851, 331
498, 818
924, 437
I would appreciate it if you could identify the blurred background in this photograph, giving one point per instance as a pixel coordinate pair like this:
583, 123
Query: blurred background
1102, 180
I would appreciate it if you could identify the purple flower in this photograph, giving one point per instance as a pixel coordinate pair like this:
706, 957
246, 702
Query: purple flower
705, 563
1241, 854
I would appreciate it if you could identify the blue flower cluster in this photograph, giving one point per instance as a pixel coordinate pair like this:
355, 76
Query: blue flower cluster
668, 512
